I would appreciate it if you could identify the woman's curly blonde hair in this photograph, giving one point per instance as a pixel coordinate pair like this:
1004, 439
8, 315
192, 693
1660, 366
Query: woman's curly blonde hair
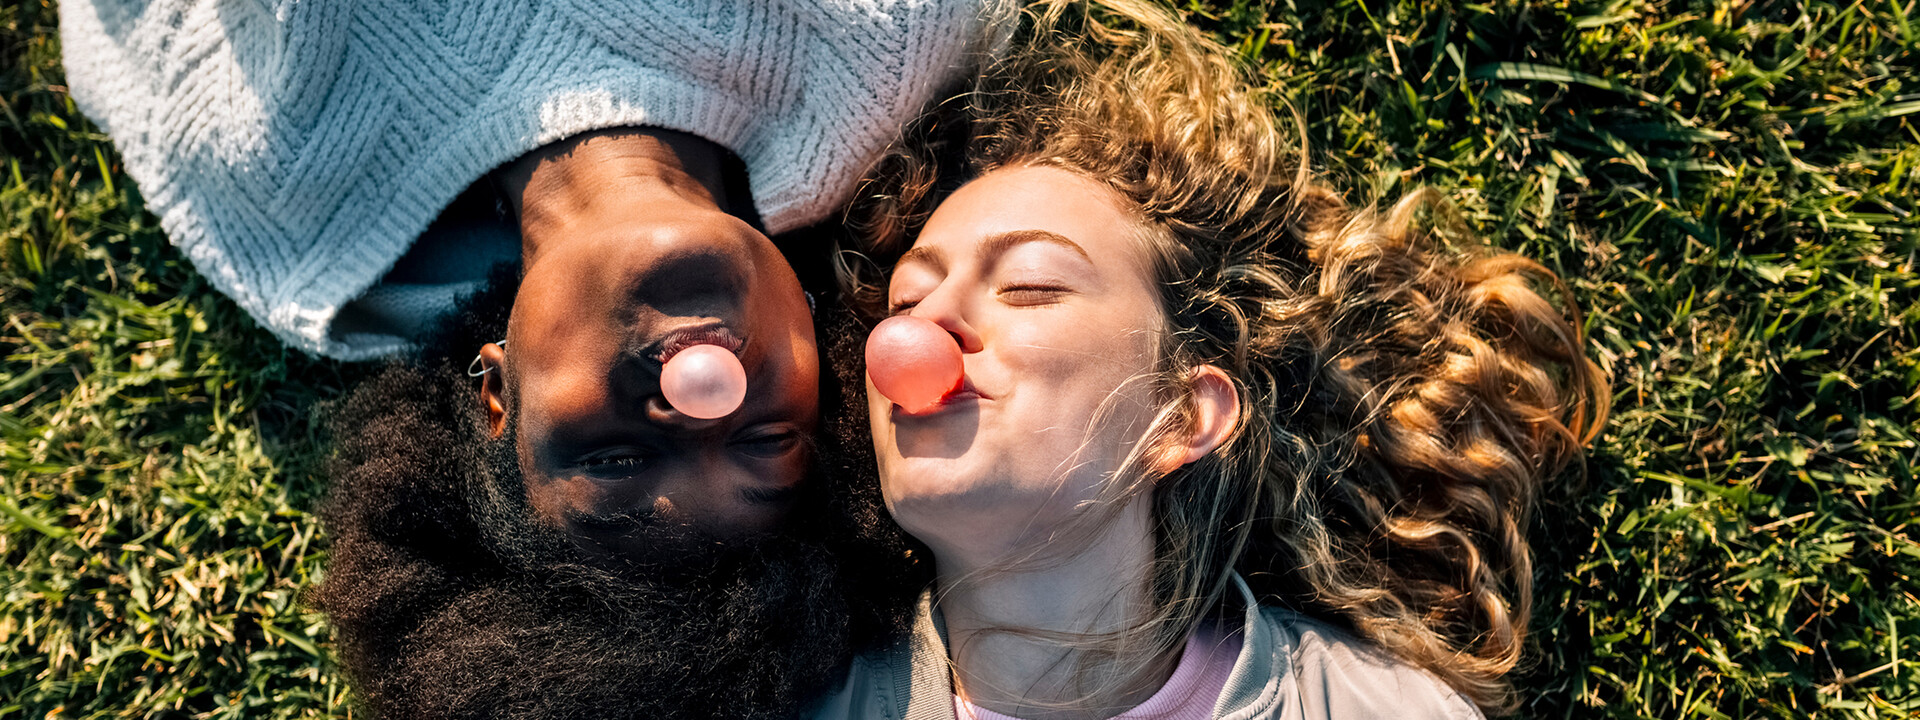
1402, 401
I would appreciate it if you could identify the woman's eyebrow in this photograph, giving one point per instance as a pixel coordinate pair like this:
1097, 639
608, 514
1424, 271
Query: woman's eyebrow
923, 255
994, 246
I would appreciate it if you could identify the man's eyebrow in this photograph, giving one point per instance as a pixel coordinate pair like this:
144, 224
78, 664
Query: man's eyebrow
770, 496
1005, 241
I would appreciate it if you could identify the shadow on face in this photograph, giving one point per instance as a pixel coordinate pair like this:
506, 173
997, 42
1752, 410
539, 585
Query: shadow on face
603, 454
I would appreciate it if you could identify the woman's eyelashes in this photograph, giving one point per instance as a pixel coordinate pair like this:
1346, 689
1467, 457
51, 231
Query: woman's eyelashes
1030, 294
1019, 294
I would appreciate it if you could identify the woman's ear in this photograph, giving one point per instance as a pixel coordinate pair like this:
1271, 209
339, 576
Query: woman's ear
1214, 405
493, 360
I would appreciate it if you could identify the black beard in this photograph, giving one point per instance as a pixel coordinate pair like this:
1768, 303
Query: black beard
449, 600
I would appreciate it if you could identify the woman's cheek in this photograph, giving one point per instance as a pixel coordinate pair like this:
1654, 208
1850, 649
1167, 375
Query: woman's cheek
1046, 349
1081, 346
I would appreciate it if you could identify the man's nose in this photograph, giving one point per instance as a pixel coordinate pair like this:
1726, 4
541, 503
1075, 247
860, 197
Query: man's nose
656, 410
635, 392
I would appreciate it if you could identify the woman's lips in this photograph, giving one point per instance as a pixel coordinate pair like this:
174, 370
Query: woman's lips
962, 393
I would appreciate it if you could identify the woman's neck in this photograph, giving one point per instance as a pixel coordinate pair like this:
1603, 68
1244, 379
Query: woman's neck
1101, 589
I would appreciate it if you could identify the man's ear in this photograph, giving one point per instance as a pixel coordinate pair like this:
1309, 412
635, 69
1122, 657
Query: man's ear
1214, 405
493, 386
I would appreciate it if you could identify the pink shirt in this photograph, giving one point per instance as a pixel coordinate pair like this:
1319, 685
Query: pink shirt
1188, 695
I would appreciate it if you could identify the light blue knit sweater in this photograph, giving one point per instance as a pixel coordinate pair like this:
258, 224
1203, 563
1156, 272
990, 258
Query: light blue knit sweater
294, 149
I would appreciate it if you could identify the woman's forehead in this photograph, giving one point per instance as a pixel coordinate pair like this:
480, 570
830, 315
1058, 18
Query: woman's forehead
1012, 206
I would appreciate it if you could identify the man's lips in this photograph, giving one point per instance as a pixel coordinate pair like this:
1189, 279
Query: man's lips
674, 341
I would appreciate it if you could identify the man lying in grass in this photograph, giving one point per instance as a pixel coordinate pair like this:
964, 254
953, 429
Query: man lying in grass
554, 539
498, 550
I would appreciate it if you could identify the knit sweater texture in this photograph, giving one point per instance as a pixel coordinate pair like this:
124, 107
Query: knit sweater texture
295, 149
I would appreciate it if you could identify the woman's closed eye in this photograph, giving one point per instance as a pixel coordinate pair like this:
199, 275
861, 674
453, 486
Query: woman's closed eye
1030, 294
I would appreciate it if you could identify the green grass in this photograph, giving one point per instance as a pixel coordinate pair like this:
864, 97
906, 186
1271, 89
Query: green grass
158, 457
1729, 189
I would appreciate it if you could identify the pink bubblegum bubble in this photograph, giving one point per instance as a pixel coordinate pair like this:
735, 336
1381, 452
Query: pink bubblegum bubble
704, 381
913, 362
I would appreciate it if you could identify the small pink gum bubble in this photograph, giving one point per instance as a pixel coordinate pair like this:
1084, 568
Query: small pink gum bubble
913, 362
704, 382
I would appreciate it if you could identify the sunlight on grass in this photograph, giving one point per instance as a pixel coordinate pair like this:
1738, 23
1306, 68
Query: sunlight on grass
1728, 188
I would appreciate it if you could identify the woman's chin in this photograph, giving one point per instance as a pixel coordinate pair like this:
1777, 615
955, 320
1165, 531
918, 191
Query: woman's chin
943, 511
926, 492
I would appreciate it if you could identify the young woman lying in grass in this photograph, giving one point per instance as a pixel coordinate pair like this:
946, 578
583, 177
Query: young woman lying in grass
1224, 445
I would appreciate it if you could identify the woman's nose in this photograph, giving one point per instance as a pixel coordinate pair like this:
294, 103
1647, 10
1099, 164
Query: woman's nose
945, 307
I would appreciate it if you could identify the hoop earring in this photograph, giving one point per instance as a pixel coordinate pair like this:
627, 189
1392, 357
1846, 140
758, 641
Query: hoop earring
478, 368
